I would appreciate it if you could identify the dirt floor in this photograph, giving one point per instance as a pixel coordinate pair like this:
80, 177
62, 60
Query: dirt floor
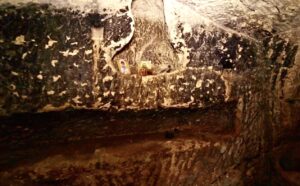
98, 148
157, 147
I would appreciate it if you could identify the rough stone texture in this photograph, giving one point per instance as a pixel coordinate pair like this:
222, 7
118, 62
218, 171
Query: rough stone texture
150, 42
174, 148
50, 63
239, 55
47, 56
80, 49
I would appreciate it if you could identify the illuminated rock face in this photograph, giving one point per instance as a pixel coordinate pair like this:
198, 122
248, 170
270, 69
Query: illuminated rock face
240, 56
54, 58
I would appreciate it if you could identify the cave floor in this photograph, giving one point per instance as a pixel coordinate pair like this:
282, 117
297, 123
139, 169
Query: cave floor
157, 147
16, 150
36, 149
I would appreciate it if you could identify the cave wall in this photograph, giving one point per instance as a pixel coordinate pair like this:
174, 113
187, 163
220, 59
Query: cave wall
50, 56
65, 55
245, 52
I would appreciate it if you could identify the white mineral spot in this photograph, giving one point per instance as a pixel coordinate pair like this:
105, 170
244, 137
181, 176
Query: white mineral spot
113, 93
68, 53
24, 55
179, 77
107, 78
88, 61
172, 87
83, 84
56, 78
1, 41
194, 77
16, 94
87, 96
62, 93
14, 73
88, 52
181, 89
240, 48
20, 40
223, 149
75, 82
76, 100
270, 53
53, 62
68, 38
51, 42
65, 53
210, 81
75, 52
199, 84
105, 94
75, 65
40, 76
51, 92
74, 43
